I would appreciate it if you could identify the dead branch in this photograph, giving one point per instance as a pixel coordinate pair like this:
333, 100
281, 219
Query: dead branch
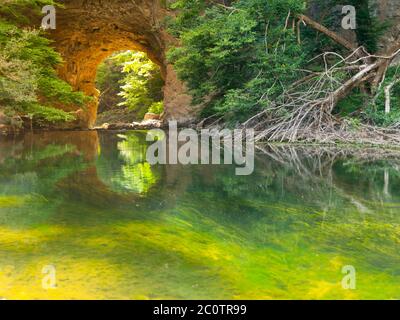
388, 90
333, 35
304, 111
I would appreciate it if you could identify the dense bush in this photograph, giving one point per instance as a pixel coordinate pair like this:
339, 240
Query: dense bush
376, 110
29, 84
142, 85
108, 79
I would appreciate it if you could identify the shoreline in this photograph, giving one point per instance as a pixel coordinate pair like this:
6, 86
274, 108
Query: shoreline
390, 145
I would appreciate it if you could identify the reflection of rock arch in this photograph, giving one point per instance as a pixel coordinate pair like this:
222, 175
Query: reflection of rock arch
80, 176
92, 186
85, 143
169, 181
88, 31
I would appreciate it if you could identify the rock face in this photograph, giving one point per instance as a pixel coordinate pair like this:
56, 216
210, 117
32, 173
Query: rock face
88, 31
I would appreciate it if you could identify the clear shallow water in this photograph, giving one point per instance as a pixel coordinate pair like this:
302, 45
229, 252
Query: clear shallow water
115, 227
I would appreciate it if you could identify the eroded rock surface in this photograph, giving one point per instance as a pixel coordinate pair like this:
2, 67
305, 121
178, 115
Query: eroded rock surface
88, 31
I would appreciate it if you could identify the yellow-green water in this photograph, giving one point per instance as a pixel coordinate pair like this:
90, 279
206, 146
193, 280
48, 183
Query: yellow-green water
115, 227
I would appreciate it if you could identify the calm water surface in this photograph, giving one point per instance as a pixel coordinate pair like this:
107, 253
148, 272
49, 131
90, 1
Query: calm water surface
115, 227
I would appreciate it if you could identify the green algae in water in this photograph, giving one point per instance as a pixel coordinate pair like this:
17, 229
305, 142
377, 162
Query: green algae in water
116, 227
11, 201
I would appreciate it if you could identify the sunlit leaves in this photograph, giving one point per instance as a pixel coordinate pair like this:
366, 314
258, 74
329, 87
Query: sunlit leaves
141, 88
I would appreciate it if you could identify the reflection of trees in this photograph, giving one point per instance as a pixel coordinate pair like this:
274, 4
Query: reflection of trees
359, 175
323, 177
136, 174
307, 185
74, 166
322, 199
122, 166
122, 163
119, 176
34, 166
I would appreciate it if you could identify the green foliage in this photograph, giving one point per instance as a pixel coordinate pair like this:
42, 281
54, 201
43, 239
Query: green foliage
16, 8
142, 84
157, 108
376, 111
108, 79
369, 28
29, 85
352, 104
239, 56
236, 57
49, 114
133, 83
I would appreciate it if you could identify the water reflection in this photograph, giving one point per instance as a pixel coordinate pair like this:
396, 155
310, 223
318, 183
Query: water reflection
116, 227
130, 171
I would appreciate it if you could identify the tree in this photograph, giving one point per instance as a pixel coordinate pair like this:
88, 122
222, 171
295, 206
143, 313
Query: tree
29, 85
142, 85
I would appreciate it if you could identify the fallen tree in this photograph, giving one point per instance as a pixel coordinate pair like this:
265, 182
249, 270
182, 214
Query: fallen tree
304, 111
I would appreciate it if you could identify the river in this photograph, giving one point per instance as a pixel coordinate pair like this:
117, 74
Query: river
84, 216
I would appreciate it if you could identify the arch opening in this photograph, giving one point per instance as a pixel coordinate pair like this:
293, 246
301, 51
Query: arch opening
131, 88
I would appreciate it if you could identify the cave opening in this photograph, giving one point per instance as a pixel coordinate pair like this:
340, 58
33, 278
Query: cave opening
130, 88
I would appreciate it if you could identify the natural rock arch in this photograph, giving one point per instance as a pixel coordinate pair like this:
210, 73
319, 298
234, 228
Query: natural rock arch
88, 31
